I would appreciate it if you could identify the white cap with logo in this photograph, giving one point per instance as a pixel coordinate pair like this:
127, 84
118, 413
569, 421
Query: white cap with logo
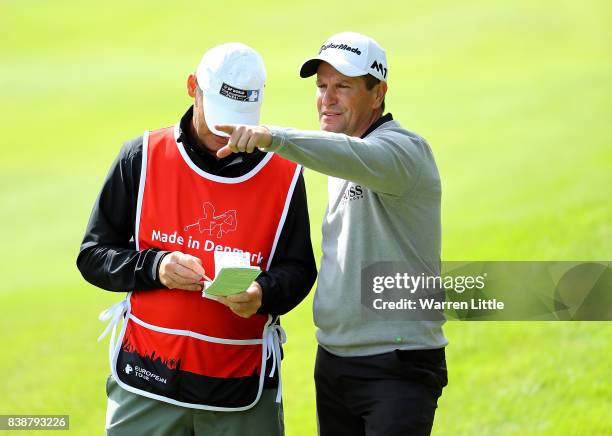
352, 54
232, 77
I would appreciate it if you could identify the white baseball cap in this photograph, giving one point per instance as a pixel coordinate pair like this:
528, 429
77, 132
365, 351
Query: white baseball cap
232, 77
352, 54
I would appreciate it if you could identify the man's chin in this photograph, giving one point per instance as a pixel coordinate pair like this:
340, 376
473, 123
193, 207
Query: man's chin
216, 142
330, 127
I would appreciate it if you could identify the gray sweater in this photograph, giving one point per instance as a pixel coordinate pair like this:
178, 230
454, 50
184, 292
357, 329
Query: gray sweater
384, 205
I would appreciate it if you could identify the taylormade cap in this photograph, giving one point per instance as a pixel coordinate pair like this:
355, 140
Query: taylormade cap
352, 54
232, 77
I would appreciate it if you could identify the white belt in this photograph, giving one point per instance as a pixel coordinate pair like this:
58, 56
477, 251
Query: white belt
114, 314
275, 336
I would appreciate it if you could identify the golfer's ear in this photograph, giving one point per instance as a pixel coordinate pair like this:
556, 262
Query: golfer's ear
192, 85
380, 93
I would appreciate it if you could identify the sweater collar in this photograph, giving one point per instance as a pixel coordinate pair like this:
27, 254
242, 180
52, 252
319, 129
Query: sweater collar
379, 122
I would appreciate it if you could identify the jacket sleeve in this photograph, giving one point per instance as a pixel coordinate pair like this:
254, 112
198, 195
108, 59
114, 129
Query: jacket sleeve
293, 269
388, 163
108, 257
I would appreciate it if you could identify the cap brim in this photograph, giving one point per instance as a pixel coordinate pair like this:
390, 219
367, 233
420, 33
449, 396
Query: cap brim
215, 114
310, 67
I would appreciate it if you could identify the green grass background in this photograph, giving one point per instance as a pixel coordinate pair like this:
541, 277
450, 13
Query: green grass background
515, 98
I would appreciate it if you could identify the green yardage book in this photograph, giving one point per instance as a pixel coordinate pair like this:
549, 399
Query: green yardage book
232, 280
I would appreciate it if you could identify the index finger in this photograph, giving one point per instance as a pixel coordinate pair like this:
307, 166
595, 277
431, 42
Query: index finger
226, 128
193, 263
183, 275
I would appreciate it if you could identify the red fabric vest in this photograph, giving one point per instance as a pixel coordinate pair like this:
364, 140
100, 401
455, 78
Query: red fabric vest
174, 344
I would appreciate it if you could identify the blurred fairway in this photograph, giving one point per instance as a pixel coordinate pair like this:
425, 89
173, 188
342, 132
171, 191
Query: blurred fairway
514, 97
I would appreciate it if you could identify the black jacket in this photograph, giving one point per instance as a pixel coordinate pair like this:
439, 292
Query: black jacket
108, 258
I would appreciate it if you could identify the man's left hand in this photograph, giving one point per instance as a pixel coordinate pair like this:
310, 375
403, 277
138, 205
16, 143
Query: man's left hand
244, 304
244, 138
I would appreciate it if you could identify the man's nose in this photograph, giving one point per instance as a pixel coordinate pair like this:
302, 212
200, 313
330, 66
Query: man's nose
329, 96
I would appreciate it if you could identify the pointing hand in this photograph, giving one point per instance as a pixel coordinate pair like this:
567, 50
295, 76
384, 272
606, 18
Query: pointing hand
244, 138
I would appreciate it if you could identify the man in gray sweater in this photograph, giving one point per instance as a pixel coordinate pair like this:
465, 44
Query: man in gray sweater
373, 377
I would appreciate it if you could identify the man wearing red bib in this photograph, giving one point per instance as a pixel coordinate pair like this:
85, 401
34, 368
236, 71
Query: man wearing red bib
184, 364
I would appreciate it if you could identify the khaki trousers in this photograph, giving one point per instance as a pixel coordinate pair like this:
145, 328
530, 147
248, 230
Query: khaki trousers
130, 414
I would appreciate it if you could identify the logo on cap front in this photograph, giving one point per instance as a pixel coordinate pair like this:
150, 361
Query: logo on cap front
239, 94
340, 47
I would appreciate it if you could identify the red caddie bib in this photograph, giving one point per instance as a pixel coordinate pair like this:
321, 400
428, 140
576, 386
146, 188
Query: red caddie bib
174, 345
